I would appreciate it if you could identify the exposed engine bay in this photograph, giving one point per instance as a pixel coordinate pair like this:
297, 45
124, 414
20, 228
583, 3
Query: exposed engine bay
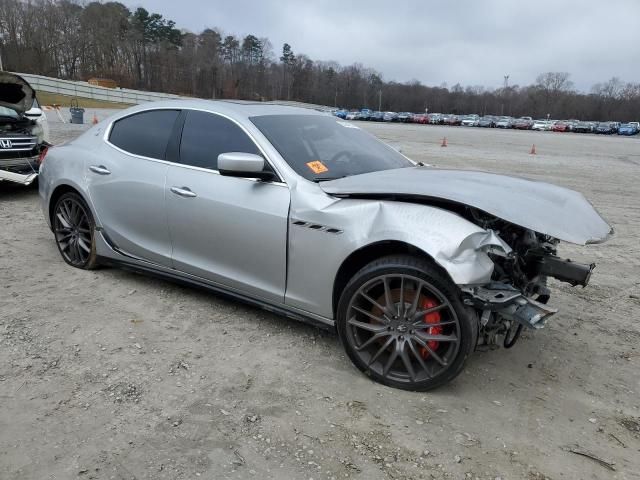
518, 294
20, 126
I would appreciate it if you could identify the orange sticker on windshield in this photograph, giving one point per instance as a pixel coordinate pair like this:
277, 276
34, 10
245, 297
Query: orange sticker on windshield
317, 167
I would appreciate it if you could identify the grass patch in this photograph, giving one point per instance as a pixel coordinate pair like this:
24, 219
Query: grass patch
49, 99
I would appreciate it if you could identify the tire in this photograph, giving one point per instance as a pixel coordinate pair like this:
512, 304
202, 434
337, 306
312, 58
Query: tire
74, 231
390, 345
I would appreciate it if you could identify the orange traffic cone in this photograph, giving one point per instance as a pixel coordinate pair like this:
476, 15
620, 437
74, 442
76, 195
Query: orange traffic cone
444, 142
533, 149
95, 119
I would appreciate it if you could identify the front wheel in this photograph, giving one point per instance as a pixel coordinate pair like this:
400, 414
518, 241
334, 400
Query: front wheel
401, 321
74, 230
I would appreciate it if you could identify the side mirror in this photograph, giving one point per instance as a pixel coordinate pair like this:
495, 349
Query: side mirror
34, 112
245, 165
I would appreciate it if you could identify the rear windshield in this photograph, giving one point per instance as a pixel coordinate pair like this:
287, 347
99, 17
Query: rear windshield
321, 147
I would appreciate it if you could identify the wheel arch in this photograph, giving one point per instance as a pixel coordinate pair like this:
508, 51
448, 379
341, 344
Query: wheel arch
368, 253
57, 193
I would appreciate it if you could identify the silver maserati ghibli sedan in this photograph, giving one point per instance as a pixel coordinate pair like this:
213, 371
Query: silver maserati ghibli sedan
308, 216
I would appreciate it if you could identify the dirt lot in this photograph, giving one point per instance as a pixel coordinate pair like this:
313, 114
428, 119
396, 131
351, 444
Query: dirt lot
114, 375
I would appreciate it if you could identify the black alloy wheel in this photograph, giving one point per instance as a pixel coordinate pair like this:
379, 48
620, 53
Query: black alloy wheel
401, 322
74, 230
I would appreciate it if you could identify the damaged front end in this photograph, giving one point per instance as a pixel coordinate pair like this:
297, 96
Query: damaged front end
502, 271
22, 135
517, 295
20, 158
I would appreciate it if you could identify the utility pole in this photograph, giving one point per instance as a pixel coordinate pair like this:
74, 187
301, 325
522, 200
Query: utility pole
504, 92
380, 100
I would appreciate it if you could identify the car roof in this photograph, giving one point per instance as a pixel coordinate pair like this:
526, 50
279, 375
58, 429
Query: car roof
234, 108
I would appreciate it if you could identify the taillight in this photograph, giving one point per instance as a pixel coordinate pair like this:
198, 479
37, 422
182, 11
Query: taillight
43, 153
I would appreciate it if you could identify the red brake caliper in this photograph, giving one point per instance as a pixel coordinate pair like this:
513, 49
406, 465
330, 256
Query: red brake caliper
430, 318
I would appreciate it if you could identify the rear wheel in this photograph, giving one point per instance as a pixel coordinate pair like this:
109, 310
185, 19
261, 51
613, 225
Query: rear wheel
74, 230
401, 322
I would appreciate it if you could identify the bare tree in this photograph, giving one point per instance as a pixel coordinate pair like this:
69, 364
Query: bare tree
142, 49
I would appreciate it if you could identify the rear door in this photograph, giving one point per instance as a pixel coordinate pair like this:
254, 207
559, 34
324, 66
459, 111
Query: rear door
232, 231
127, 184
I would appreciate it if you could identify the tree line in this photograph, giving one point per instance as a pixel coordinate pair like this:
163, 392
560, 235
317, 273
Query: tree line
143, 50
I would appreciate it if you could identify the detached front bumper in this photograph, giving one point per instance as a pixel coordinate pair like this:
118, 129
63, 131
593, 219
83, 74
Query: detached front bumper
509, 303
19, 170
21, 178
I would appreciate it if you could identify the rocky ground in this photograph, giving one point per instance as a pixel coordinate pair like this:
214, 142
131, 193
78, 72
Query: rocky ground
114, 375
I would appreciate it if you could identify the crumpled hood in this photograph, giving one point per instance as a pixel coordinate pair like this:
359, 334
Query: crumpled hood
544, 208
15, 92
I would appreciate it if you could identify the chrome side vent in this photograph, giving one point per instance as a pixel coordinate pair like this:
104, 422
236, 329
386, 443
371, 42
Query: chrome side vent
317, 227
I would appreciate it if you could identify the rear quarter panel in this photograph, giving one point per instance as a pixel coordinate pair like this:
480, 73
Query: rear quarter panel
66, 164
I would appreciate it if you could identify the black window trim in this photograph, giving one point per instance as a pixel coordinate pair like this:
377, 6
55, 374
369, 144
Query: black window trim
107, 132
278, 179
172, 154
177, 132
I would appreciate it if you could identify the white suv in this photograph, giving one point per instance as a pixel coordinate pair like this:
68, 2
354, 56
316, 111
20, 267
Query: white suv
24, 131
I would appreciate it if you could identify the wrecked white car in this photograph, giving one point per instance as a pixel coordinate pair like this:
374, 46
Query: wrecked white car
310, 217
24, 130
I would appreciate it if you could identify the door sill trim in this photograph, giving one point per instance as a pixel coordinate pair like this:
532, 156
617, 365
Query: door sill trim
131, 262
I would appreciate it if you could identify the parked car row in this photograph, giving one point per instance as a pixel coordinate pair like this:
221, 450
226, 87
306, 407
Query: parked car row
492, 121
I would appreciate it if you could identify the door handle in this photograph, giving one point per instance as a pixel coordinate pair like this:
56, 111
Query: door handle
100, 169
183, 192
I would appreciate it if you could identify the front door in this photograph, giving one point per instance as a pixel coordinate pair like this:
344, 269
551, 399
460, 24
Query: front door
232, 231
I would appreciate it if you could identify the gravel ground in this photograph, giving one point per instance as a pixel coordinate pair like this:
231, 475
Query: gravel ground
114, 375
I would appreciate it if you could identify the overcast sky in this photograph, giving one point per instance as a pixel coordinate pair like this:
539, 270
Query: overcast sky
465, 41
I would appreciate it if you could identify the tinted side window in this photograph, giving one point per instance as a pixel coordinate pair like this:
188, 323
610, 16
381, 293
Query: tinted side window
145, 133
205, 136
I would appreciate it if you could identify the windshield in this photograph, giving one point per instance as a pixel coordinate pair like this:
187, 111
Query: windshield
323, 148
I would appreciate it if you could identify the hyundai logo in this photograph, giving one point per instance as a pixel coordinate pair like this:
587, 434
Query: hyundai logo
6, 144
